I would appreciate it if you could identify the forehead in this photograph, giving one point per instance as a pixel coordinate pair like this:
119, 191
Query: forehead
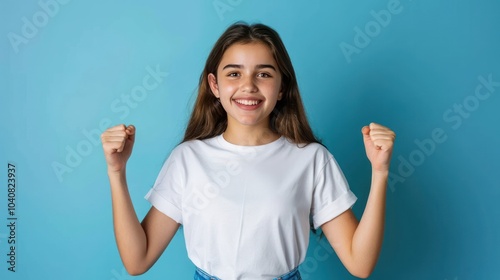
248, 55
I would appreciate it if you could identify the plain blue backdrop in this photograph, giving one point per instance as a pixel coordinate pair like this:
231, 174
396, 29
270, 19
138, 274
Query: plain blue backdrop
430, 70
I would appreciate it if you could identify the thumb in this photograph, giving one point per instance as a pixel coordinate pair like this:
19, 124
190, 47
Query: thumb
365, 130
130, 130
367, 140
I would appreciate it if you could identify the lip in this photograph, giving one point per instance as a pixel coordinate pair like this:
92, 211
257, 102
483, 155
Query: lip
248, 107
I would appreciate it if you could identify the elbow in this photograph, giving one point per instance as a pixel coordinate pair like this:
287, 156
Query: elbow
362, 273
135, 270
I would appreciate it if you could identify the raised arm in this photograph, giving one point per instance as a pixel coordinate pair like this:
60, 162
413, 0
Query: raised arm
139, 244
358, 244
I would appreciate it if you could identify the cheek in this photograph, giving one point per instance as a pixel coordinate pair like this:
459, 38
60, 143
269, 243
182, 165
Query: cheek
227, 88
271, 88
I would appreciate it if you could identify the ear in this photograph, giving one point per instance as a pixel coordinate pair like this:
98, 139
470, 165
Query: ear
212, 82
280, 95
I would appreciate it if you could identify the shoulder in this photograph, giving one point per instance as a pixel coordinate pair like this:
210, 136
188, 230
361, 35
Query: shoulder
186, 153
313, 153
193, 146
314, 148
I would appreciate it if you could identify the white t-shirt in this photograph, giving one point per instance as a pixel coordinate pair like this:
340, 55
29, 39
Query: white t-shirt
245, 209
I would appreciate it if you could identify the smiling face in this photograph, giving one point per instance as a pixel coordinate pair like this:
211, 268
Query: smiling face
248, 84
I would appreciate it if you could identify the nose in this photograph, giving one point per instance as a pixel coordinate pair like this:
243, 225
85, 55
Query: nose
248, 84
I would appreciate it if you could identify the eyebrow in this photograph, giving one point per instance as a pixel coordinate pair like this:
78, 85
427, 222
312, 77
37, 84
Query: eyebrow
259, 66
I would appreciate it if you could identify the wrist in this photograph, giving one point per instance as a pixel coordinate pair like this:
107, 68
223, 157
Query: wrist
379, 179
116, 173
380, 173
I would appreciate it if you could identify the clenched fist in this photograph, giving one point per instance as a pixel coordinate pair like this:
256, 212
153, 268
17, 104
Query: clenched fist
117, 143
379, 141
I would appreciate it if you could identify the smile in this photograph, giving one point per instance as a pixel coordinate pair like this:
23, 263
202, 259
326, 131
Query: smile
247, 102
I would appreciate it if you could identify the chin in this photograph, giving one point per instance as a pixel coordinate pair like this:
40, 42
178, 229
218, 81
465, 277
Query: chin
249, 121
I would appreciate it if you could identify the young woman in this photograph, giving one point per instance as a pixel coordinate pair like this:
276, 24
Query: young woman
249, 175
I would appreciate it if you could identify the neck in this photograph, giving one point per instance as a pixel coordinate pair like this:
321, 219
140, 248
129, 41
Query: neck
249, 135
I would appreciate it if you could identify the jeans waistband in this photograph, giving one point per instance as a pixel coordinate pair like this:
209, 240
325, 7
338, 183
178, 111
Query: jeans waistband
294, 274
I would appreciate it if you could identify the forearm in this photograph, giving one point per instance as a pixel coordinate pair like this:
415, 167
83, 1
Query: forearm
367, 239
130, 236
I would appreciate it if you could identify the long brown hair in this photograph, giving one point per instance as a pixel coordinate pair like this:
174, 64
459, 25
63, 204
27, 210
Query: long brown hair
288, 118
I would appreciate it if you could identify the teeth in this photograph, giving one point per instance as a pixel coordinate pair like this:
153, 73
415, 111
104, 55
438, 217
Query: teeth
247, 102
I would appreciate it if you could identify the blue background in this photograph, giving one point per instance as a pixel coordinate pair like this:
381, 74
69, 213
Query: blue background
62, 80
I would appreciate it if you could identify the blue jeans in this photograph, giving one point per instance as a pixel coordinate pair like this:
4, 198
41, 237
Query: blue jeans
292, 275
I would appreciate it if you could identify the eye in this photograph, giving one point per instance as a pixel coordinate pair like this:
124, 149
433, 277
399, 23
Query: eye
233, 74
264, 75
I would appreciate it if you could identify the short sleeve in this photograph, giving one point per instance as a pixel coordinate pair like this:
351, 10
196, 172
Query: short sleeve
332, 195
166, 193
